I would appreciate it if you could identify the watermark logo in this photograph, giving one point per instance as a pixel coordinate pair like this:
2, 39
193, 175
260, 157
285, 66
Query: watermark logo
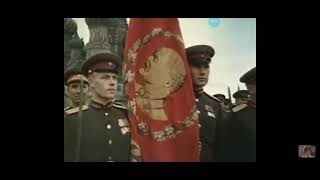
307, 151
214, 22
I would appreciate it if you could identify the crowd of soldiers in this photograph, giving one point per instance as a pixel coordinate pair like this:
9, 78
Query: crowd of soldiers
227, 131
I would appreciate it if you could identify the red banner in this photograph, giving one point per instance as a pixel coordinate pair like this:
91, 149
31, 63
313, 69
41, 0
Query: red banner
161, 103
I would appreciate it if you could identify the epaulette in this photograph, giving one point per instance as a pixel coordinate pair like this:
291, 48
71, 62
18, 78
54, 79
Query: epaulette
239, 107
119, 105
66, 108
76, 109
212, 97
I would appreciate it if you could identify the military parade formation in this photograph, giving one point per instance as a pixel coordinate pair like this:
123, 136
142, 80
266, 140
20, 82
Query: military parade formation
97, 126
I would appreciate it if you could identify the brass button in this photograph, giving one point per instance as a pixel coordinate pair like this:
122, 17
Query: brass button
110, 141
108, 126
106, 114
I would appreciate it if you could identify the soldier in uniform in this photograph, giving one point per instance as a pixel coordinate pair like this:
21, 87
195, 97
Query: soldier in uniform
225, 107
228, 104
241, 97
209, 109
72, 78
238, 139
222, 99
105, 133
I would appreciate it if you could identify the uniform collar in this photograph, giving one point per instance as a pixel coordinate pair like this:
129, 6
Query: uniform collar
99, 106
252, 104
75, 105
198, 92
71, 106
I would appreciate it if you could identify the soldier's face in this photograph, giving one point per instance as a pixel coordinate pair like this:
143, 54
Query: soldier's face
241, 101
200, 74
104, 85
74, 92
223, 106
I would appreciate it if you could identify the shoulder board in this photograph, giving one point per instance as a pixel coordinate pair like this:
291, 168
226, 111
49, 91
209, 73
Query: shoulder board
238, 108
76, 109
66, 108
212, 97
118, 105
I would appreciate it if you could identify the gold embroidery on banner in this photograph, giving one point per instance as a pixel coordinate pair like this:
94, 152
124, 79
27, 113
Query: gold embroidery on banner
169, 131
135, 152
150, 97
132, 106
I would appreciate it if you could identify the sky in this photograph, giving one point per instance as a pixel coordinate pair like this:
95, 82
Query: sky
234, 41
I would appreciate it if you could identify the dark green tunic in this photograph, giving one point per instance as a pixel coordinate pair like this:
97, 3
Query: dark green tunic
105, 134
210, 112
237, 136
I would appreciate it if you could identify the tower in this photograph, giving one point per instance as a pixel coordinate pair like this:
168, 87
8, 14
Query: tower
107, 35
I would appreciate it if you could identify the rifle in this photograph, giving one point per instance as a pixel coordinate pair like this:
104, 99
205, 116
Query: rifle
230, 100
78, 142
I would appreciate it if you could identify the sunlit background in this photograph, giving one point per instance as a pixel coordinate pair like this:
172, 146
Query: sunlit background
234, 41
